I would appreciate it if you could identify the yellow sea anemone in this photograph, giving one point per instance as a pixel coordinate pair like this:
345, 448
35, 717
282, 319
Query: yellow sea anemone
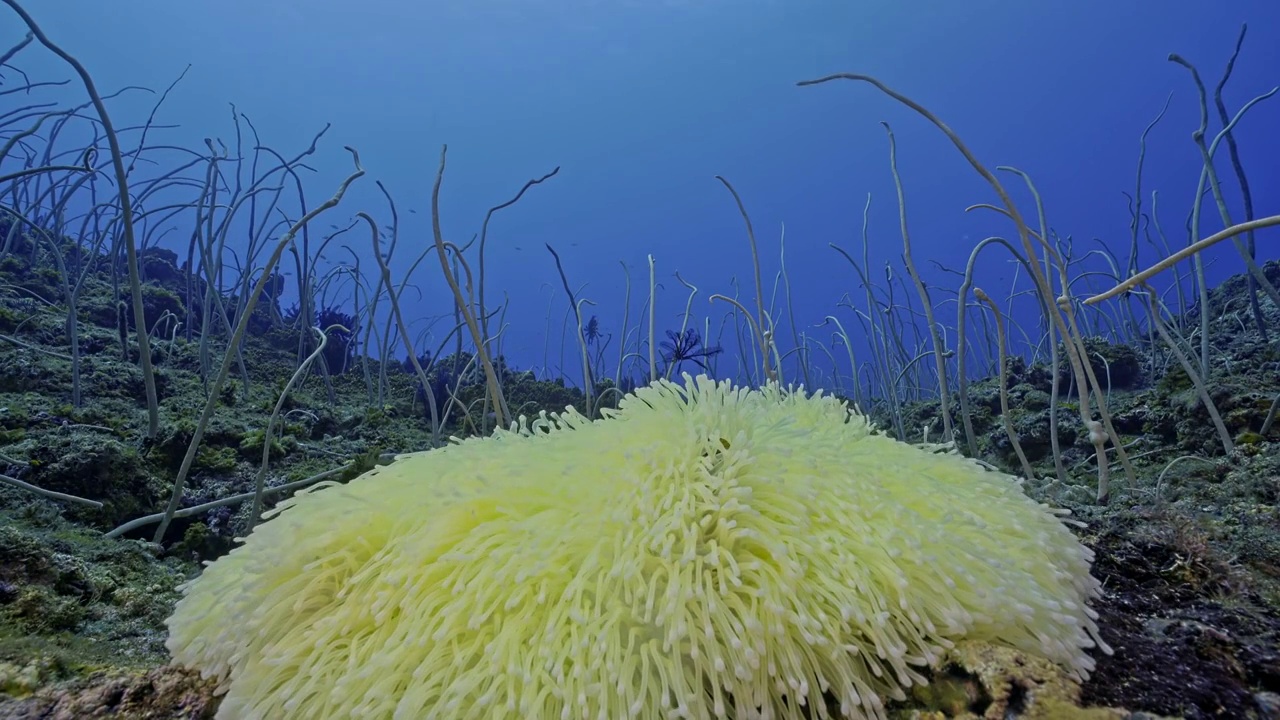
704, 552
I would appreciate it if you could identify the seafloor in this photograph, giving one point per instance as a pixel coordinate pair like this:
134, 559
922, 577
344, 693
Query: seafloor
1189, 556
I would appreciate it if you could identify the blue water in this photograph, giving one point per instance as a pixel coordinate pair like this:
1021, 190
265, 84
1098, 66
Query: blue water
642, 103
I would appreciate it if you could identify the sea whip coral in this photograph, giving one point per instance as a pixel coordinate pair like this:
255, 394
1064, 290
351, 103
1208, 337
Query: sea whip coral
704, 551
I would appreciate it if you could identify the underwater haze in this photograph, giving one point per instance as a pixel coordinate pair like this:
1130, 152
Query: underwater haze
642, 104
366, 357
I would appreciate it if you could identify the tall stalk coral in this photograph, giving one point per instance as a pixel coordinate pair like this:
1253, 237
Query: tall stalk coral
703, 551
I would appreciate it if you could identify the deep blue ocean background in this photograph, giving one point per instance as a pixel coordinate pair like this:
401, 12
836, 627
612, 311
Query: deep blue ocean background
642, 103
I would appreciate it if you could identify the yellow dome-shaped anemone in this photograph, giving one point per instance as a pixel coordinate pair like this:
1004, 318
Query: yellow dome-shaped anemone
705, 552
